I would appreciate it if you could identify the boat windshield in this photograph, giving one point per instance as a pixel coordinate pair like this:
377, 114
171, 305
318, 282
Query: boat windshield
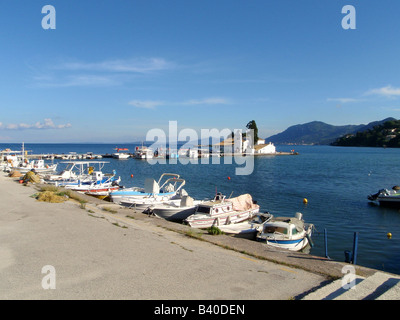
275, 229
203, 209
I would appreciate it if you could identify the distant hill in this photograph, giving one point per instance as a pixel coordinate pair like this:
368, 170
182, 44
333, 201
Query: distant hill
385, 134
317, 132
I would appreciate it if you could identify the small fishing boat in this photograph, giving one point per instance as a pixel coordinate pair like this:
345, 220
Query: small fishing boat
173, 185
18, 161
162, 187
246, 229
101, 193
83, 173
175, 210
289, 233
99, 183
143, 153
121, 155
38, 165
221, 211
387, 197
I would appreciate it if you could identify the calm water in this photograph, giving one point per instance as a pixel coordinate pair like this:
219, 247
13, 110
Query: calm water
335, 180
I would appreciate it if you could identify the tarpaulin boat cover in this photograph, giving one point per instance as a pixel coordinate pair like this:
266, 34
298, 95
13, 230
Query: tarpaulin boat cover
243, 202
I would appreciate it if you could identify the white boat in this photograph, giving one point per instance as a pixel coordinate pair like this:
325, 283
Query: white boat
387, 197
173, 185
246, 229
289, 233
80, 173
151, 188
17, 161
101, 193
143, 153
175, 210
221, 211
121, 155
38, 165
98, 183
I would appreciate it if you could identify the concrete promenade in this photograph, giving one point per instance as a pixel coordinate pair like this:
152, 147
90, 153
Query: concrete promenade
121, 254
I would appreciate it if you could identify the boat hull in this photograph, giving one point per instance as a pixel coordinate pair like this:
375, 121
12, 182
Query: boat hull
292, 245
204, 221
176, 214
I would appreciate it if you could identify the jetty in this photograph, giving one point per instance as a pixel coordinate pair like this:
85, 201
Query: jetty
100, 250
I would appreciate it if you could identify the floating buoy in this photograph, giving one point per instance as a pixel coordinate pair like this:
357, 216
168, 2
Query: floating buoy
305, 201
229, 178
131, 175
389, 235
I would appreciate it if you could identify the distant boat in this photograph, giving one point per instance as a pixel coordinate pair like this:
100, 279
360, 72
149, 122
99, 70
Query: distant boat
121, 155
387, 197
143, 153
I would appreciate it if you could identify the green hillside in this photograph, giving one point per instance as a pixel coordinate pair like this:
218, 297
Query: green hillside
320, 133
386, 134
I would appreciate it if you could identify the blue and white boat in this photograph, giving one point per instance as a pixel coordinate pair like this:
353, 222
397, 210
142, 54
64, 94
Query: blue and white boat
164, 187
289, 233
78, 173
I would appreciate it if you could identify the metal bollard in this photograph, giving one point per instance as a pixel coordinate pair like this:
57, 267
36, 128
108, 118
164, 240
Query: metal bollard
347, 256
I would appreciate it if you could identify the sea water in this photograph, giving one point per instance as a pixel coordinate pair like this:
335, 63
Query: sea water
335, 180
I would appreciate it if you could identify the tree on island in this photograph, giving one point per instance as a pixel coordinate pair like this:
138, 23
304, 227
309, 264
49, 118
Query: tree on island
253, 126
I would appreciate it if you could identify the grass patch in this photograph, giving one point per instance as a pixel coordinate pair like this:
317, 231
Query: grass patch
214, 231
118, 225
193, 234
111, 210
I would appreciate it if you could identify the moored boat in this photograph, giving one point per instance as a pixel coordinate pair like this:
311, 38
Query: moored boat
162, 187
143, 153
174, 192
38, 165
387, 197
290, 233
221, 211
246, 229
175, 210
121, 155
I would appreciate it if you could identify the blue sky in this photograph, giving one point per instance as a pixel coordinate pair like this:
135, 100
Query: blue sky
113, 70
